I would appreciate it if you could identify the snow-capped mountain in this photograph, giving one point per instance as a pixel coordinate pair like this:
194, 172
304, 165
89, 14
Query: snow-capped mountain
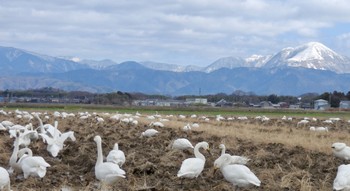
170, 67
257, 60
312, 55
226, 62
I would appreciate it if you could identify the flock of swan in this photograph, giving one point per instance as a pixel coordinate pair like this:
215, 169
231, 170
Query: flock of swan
233, 168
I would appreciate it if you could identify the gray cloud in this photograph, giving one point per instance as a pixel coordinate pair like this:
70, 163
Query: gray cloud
180, 31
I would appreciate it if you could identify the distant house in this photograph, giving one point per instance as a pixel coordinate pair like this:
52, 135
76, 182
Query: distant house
283, 105
196, 101
321, 104
266, 104
344, 105
223, 103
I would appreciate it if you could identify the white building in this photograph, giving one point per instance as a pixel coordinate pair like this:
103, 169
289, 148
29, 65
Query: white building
321, 104
344, 105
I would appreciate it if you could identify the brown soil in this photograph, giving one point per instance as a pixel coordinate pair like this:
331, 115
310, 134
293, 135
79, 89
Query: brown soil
152, 165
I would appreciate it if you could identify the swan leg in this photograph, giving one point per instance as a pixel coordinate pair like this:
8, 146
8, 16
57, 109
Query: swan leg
9, 186
236, 188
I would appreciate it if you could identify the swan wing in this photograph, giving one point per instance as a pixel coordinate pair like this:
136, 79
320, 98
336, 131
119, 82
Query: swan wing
240, 175
116, 156
191, 168
47, 139
108, 169
4, 178
182, 144
239, 160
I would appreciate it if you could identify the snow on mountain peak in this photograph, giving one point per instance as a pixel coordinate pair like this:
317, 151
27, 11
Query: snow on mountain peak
312, 51
312, 55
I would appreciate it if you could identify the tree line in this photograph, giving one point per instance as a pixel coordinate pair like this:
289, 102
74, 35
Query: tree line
125, 98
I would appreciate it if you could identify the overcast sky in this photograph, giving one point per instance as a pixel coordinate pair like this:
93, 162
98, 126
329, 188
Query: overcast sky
185, 32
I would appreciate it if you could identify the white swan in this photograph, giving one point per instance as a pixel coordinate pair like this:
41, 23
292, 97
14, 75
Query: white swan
116, 156
342, 180
107, 172
55, 144
340, 150
32, 165
234, 158
149, 133
182, 144
4, 179
237, 174
187, 127
192, 167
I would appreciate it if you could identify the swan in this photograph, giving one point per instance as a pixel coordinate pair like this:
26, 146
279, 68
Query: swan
4, 179
187, 127
342, 180
192, 167
234, 158
107, 172
156, 124
116, 156
302, 122
149, 133
340, 150
237, 174
55, 144
182, 144
32, 165
312, 128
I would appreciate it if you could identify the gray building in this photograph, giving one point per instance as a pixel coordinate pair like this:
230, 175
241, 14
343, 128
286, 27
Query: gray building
321, 104
344, 105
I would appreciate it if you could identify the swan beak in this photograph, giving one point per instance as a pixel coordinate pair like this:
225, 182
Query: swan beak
208, 150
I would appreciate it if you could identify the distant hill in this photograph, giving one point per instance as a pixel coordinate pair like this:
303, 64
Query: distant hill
14, 60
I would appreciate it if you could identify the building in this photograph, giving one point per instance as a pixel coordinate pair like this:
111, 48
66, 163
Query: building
344, 105
196, 101
321, 104
223, 103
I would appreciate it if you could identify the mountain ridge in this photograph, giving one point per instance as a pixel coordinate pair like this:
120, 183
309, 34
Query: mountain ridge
22, 70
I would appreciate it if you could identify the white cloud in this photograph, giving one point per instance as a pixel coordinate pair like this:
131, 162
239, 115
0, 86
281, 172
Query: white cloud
173, 31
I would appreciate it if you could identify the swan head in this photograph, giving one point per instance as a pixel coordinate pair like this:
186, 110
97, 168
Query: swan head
222, 160
338, 146
97, 139
221, 146
204, 145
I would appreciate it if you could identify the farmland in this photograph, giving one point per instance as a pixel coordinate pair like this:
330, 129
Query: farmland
284, 155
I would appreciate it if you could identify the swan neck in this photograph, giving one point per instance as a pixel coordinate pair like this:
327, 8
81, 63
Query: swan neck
223, 150
13, 158
99, 153
198, 154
